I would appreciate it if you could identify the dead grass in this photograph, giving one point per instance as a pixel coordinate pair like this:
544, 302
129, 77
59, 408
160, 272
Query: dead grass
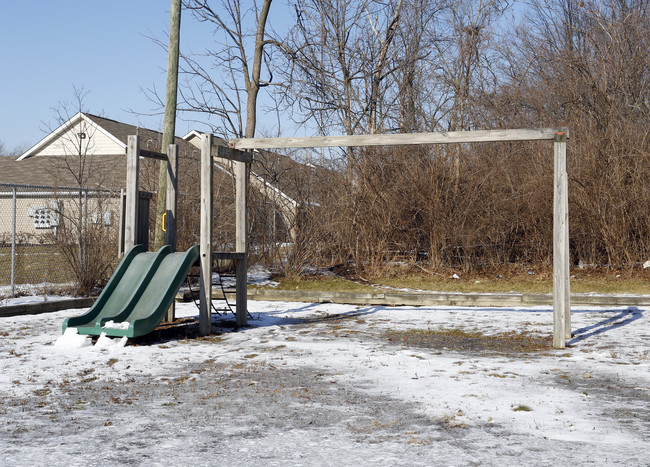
322, 283
514, 278
463, 341
636, 282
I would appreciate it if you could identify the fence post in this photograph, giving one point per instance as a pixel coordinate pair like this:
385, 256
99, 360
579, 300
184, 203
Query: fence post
13, 244
120, 240
172, 187
85, 234
241, 241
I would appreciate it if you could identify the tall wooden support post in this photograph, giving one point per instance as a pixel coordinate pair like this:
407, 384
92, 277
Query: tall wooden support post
241, 241
561, 284
132, 194
205, 320
171, 97
172, 204
120, 240
170, 215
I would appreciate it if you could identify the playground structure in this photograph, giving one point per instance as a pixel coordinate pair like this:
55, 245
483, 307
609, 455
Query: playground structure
141, 292
240, 160
559, 136
138, 295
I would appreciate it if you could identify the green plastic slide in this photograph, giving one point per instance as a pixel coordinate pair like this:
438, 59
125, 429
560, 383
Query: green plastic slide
137, 297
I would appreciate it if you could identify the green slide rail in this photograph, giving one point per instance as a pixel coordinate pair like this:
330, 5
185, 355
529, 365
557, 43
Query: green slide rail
140, 292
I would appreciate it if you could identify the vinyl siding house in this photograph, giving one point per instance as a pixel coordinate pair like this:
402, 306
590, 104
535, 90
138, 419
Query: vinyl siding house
89, 152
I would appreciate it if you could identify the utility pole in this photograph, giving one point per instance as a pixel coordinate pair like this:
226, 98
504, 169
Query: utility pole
169, 130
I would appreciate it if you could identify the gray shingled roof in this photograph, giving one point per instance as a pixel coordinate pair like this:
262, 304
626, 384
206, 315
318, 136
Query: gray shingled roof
109, 171
100, 171
105, 172
149, 139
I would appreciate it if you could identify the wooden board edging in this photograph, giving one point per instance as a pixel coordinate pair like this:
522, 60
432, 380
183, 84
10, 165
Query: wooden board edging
45, 307
442, 298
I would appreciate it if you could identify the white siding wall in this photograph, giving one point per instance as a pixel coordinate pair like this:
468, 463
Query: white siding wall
194, 140
25, 228
95, 142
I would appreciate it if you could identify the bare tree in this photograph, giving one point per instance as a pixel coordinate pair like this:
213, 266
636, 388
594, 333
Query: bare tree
84, 236
225, 81
584, 65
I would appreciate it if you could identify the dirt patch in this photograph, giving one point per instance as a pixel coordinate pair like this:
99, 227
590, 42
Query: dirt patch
617, 399
462, 341
232, 402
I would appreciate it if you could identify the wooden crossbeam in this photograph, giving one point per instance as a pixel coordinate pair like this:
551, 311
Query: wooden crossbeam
399, 139
153, 155
231, 154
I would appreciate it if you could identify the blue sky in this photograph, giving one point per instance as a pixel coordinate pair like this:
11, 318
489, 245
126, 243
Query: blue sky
48, 46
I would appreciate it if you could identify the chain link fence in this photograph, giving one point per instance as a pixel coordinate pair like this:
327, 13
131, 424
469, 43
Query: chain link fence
52, 238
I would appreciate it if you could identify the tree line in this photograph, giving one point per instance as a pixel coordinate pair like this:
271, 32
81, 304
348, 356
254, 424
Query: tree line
371, 66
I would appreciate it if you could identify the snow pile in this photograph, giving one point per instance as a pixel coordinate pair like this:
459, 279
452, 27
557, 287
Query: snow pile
34, 292
260, 276
105, 342
71, 339
113, 325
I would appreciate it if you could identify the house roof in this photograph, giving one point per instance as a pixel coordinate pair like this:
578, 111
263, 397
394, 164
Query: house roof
107, 172
102, 167
114, 131
105, 166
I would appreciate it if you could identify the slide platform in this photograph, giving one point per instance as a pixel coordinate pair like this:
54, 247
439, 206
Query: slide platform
138, 295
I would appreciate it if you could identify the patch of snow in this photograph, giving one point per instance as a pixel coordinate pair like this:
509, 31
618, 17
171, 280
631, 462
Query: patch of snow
105, 342
258, 273
324, 385
71, 339
33, 289
113, 325
27, 299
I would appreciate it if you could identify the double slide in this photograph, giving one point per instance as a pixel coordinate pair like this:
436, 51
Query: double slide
138, 295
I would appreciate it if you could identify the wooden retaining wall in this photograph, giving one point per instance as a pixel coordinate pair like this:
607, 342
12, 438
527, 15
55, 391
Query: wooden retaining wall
365, 298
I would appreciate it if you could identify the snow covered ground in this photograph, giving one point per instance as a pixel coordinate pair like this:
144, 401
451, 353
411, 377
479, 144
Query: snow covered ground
324, 384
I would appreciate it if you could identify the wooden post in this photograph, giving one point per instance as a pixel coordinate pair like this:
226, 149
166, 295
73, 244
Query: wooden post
241, 241
132, 194
170, 217
169, 130
172, 203
561, 280
120, 241
205, 294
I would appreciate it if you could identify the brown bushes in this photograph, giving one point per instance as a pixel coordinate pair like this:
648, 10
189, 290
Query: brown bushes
405, 204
